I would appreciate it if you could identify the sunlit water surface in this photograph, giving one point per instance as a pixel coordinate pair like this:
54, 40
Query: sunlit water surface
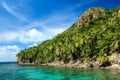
13, 71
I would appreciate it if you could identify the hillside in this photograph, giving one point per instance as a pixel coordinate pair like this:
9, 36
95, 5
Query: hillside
93, 38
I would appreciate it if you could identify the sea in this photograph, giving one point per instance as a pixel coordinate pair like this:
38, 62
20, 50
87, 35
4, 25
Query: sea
14, 71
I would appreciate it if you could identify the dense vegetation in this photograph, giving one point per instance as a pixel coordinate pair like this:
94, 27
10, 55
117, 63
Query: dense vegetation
94, 40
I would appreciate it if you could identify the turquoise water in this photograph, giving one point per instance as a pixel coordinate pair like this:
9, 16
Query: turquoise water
13, 71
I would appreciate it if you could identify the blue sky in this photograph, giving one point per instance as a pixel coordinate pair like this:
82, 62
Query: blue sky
26, 23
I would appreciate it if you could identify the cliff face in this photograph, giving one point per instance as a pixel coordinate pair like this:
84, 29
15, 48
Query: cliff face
92, 39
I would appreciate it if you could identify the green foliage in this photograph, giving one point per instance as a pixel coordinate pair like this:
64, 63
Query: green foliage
95, 41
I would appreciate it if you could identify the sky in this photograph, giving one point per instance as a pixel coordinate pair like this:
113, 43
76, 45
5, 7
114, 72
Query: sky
27, 23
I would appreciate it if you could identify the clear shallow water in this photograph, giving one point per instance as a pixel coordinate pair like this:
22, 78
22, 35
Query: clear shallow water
13, 71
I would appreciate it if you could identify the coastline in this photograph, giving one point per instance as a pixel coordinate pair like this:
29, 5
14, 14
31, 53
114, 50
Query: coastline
76, 65
113, 63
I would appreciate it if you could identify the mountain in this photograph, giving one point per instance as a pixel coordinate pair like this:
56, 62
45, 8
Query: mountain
94, 38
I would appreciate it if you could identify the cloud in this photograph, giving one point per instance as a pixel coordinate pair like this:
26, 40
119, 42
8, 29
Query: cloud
32, 35
28, 36
14, 13
8, 53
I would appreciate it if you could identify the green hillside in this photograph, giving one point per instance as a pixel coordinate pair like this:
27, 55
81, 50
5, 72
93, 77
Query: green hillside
93, 37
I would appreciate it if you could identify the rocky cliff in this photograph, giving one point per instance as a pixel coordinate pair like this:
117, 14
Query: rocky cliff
92, 13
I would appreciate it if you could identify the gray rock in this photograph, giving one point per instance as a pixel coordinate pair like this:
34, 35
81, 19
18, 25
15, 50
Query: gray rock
92, 13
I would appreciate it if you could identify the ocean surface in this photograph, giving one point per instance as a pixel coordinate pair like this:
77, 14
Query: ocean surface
14, 71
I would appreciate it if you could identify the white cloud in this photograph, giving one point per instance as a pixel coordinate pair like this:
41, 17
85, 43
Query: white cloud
8, 53
27, 36
32, 35
13, 12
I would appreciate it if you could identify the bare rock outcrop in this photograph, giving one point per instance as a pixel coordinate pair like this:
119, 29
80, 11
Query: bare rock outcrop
114, 58
92, 13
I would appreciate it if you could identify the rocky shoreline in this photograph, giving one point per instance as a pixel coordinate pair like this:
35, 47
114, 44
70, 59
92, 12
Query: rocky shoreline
76, 65
114, 63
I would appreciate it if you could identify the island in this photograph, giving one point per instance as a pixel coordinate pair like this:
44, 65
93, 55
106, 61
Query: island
93, 41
